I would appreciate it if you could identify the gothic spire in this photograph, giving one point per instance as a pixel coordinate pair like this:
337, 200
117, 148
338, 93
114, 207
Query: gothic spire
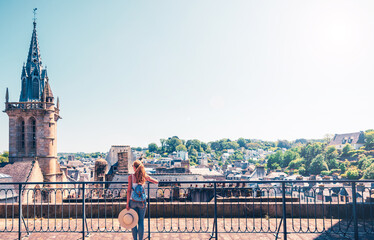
33, 75
34, 61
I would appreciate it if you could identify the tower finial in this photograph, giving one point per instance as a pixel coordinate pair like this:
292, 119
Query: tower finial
34, 10
7, 95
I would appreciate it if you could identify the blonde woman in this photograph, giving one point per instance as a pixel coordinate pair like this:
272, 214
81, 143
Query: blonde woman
136, 197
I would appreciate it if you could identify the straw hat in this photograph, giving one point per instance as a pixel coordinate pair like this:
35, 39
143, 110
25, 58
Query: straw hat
128, 218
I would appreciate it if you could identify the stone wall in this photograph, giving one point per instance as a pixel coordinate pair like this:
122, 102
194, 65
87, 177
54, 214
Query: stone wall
124, 161
46, 138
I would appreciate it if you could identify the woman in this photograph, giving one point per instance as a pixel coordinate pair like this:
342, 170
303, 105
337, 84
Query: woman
138, 178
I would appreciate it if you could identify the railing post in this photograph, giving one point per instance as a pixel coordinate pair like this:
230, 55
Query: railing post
19, 209
354, 209
284, 210
83, 211
215, 211
149, 212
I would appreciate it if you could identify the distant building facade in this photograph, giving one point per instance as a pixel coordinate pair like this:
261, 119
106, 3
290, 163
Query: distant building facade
356, 140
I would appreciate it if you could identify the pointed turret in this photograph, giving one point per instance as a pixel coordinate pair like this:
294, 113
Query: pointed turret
48, 93
24, 72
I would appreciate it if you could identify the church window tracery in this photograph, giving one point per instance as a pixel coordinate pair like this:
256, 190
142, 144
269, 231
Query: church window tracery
35, 88
32, 135
21, 135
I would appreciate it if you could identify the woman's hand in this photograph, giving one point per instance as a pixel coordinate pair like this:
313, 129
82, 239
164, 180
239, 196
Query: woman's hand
128, 207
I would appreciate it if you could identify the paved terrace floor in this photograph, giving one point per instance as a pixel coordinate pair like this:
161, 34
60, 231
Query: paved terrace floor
167, 224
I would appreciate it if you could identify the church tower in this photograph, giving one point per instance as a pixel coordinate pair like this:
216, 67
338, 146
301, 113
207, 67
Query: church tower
33, 119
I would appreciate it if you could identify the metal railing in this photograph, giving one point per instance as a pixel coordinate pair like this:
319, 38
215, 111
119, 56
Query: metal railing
345, 208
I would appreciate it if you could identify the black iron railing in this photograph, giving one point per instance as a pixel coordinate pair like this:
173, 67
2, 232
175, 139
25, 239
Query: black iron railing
345, 208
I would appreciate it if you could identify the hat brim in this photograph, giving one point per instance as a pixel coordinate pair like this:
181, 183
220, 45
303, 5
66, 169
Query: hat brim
123, 213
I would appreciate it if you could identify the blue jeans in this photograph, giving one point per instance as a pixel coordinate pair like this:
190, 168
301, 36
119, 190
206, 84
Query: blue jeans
140, 210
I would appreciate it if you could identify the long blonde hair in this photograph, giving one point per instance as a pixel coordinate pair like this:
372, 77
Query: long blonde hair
140, 173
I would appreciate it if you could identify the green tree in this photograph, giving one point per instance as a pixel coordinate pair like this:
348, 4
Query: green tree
310, 151
296, 164
284, 144
275, 158
289, 156
301, 141
204, 146
5, 154
364, 162
332, 163
275, 166
242, 142
238, 155
172, 143
369, 173
181, 147
193, 156
318, 164
234, 145
163, 143
346, 149
302, 171
342, 167
194, 144
331, 152
369, 139
152, 147
4, 157
353, 173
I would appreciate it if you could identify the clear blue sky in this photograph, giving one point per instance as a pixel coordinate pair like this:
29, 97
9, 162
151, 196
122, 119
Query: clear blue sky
132, 72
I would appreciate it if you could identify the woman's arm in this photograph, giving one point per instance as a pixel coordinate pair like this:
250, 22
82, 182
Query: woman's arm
150, 179
129, 188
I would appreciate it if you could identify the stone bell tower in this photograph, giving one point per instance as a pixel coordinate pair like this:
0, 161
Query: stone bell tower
33, 119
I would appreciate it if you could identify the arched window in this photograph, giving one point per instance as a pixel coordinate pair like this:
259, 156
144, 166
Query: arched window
32, 135
35, 88
21, 135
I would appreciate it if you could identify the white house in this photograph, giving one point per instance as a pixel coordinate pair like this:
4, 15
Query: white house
356, 140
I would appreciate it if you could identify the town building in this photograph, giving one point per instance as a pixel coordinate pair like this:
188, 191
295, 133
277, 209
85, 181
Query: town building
356, 140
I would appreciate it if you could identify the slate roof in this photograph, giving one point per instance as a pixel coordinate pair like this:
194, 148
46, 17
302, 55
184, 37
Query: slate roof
351, 138
18, 171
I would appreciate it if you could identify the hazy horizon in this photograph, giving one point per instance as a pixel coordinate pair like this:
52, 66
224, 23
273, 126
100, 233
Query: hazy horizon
131, 73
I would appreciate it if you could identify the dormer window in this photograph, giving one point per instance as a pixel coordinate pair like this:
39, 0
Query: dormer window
344, 141
350, 140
